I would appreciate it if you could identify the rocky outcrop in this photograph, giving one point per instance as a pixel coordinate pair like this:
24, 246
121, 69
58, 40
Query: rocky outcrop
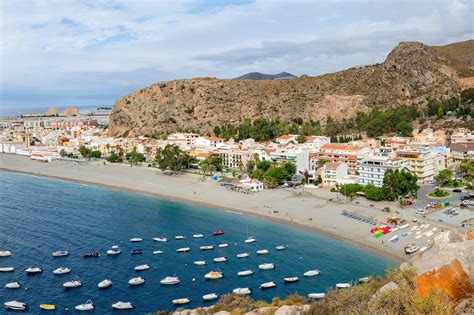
411, 75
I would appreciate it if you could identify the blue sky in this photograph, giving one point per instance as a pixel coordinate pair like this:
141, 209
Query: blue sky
91, 52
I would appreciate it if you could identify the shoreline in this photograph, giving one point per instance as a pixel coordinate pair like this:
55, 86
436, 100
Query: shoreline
396, 258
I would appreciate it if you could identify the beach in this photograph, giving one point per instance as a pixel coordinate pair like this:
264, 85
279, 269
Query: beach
310, 209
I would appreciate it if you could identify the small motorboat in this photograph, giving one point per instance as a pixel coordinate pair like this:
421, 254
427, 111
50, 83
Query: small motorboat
13, 285
311, 273
91, 255
61, 271
207, 247
344, 285
220, 259
136, 240
88, 306
411, 248
224, 245
160, 239
72, 284
213, 275
250, 240
181, 301
220, 232
142, 267
268, 285
242, 291
198, 235
157, 252
136, 281
263, 252
267, 266
210, 297
136, 251
33, 270
200, 263
179, 237
291, 279
170, 280
112, 252
60, 253
243, 255
280, 247
5, 253
316, 295
104, 284
423, 248
183, 249
16, 306
245, 273
122, 305
7, 269
48, 307
365, 279
115, 247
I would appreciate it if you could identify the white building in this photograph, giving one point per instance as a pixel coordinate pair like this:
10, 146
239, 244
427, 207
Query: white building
420, 162
285, 139
298, 155
332, 173
372, 169
209, 142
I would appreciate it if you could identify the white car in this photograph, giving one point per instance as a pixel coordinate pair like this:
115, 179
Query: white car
420, 212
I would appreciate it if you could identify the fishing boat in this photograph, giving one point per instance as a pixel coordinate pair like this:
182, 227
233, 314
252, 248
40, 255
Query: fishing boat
15, 306
220, 232
112, 252
280, 247
5, 253
213, 275
268, 285
242, 291
291, 279
200, 263
250, 240
104, 284
61, 271
157, 252
60, 253
13, 285
423, 248
245, 273
210, 297
316, 295
33, 270
72, 284
48, 307
207, 247
160, 239
183, 249
122, 305
343, 285
267, 266
170, 280
142, 267
179, 237
88, 306
136, 240
411, 248
91, 255
243, 255
220, 259
224, 245
365, 279
181, 301
311, 273
7, 269
136, 281
262, 252
198, 235
115, 247
136, 251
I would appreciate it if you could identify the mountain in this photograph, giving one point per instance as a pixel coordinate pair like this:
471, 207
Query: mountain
411, 75
263, 76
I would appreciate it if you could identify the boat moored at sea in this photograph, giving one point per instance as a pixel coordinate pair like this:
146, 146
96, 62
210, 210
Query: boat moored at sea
267, 266
183, 249
242, 291
122, 305
160, 239
136, 252
142, 267
343, 285
170, 280
210, 297
263, 252
216, 233
198, 235
61, 271
243, 255
33, 270
157, 252
113, 252
268, 285
15, 306
200, 263
207, 247
91, 255
104, 284
72, 284
12, 285
179, 237
291, 279
7, 269
220, 259
181, 301
47, 307
316, 295
245, 273
5, 253
136, 281
60, 253
311, 273
136, 240
280, 247
213, 275
224, 245
250, 240
88, 306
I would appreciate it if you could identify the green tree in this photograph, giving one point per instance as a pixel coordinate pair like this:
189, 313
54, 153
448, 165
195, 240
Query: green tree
301, 139
94, 154
172, 158
444, 177
135, 157
399, 183
84, 151
217, 131
290, 168
250, 166
215, 161
114, 158
264, 165
279, 174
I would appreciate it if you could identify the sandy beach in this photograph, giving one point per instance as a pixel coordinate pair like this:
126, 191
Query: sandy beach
310, 209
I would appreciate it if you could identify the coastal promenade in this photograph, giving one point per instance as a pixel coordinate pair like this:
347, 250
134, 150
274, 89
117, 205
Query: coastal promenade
316, 211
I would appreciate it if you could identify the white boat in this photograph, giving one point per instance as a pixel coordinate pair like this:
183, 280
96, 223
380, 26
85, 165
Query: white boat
243, 255
160, 239
33, 270
72, 284
113, 252
262, 252
250, 240
142, 267
13, 285
157, 252
411, 248
316, 295
213, 275
198, 235
245, 273
267, 266
115, 247
181, 301
122, 305
88, 306
47, 307
170, 280
242, 291
136, 240
5, 253
210, 297
200, 262
268, 285
7, 269
60, 253
61, 271
280, 247
136, 281
15, 305
311, 273
207, 247
104, 284
291, 279
179, 237
423, 248
183, 250
343, 285
220, 259
224, 245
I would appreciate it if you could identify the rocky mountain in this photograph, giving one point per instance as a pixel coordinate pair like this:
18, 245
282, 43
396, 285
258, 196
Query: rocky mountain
411, 75
263, 76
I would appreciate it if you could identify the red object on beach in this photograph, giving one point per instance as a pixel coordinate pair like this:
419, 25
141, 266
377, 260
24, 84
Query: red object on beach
220, 232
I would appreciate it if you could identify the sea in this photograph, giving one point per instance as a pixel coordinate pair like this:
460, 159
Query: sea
39, 216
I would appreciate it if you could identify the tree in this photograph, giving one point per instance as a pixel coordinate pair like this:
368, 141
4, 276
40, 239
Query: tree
94, 154
135, 157
301, 139
217, 131
84, 151
114, 158
290, 168
399, 183
215, 160
279, 174
402, 201
264, 165
250, 166
444, 177
172, 158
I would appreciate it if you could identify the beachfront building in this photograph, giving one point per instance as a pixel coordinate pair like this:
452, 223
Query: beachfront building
234, 158
338, 153
372, 169
296, 154
419, 162
463, 151
251, 184
332, 172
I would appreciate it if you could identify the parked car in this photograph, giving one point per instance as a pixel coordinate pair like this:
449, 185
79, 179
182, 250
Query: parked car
420, 211
457, 190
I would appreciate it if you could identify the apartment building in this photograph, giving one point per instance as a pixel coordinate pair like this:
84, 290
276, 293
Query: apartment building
372, 169
296, 154
183, 139
463, 151
420, 162
209, 142
234, 158
338, 153
332, 172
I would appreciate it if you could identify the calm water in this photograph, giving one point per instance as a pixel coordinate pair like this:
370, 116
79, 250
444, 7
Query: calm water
39, 216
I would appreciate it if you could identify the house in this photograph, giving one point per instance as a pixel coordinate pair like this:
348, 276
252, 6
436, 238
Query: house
251, 184
332, 172
316, 142
285, 139
209, 142
183, 139
338, 153
463, 151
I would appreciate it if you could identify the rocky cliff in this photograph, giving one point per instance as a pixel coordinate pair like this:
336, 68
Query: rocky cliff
411, 75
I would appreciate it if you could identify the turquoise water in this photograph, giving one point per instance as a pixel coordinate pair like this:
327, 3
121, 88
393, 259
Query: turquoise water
39, 216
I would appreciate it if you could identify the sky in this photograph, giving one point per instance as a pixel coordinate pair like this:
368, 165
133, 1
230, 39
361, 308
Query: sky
92, 52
